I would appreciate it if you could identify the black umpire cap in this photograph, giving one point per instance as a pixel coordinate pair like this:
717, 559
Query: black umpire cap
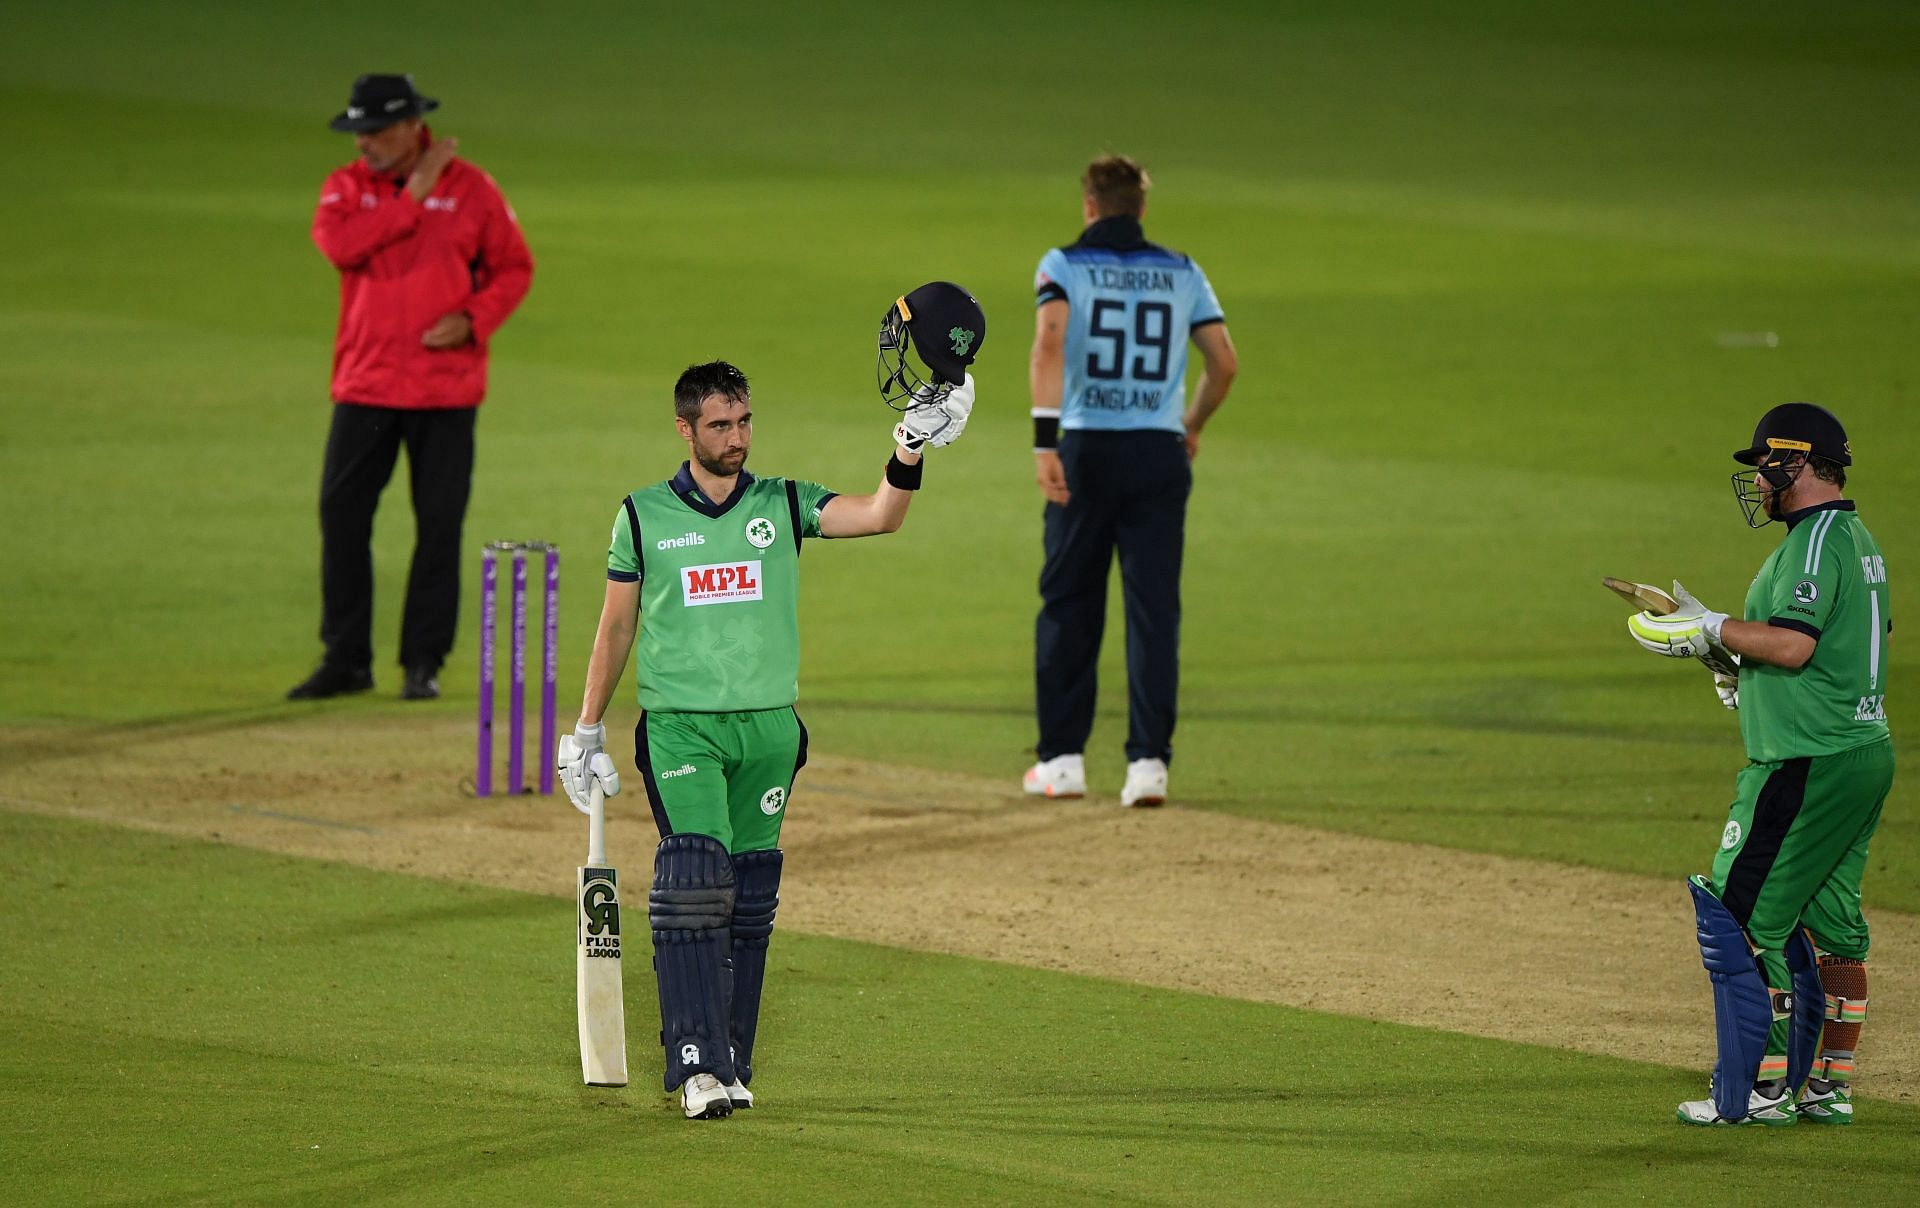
378, 101
1798, 427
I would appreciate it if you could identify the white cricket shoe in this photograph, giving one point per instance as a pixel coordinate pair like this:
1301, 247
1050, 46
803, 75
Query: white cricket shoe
1146, 783
1771, 1110
739, 1095
703, 1098
1061, 776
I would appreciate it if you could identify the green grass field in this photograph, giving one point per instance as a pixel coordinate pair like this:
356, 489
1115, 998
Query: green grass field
1498, 275
302, 1032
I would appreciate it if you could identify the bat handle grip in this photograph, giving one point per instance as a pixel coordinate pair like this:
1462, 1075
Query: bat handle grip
596, 824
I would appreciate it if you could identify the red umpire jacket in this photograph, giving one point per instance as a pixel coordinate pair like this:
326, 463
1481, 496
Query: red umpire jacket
404, 264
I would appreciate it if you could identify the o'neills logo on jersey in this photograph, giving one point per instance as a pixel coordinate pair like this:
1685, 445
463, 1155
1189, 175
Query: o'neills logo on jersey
721, 583
680, 542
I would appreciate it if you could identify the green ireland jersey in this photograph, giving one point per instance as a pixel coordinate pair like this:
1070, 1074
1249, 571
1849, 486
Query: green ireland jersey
719, 590
1828, 581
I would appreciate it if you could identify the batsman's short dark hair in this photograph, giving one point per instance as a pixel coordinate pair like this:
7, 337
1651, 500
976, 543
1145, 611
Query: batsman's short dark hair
698, 381
1828, 470
1117, 185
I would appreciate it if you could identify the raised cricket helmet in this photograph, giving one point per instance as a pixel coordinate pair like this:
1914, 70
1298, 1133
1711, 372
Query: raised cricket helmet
1784, 441
927, 340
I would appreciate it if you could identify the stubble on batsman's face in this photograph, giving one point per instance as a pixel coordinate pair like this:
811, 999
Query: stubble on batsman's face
390, 150
720, 438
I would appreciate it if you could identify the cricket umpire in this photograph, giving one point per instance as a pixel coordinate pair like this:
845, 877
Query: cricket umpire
1781, 932
431, 264
711, 559
1113, 439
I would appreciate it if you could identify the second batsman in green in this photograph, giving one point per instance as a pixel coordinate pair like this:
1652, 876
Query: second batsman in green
1781, 931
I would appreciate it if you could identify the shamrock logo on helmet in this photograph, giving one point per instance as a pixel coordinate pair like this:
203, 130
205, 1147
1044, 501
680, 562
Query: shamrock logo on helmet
962, 340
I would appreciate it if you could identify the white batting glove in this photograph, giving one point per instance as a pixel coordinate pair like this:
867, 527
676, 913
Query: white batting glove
1710, 621
1718, 658
938, 422
1727, 688
1678, 635
1690, 632
580, 759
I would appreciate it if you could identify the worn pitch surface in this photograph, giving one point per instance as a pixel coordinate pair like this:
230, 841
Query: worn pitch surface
1481, 944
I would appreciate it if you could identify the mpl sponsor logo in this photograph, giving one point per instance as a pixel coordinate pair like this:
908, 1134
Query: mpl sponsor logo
720, 583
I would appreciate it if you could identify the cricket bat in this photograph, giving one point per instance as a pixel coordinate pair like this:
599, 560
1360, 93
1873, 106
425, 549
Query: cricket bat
1643, 595
603, 1014
1660, 604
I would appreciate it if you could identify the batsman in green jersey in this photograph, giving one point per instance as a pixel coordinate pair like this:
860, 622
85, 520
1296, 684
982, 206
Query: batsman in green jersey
1781, 932
705, 567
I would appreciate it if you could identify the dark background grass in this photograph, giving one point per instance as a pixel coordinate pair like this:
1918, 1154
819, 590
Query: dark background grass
1499, 277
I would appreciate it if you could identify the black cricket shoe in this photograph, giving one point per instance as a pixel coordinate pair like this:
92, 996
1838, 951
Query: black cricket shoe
329, 681
420, 684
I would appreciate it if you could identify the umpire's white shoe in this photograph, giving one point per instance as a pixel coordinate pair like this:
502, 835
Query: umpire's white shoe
1061, 776
739, 1095
704, 1098
1146, 783
1771, 1110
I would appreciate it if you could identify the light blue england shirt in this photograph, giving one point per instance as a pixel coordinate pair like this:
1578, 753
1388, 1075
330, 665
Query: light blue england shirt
1131, 308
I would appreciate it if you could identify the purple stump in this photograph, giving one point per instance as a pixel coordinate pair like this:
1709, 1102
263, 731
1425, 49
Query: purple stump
483, 770
517, 680
549, 668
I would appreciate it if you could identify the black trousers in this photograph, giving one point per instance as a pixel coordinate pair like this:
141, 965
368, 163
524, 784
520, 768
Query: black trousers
1129, 493
362, 447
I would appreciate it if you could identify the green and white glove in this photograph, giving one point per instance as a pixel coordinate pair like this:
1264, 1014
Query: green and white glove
1690, 632
580, 759
938, 423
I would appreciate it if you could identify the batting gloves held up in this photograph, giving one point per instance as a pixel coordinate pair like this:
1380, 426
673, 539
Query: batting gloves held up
1692, 632
580, 759
938, 422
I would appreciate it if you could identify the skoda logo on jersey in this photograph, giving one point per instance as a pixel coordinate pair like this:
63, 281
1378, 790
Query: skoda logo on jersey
1730, 838
760, 532
772, 800
1806, 591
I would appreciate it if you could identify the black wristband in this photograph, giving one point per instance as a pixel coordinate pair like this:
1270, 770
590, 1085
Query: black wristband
904, 476
1046, 432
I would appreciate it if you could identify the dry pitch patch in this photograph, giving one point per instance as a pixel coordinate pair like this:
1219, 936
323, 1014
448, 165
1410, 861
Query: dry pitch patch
1486, 945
